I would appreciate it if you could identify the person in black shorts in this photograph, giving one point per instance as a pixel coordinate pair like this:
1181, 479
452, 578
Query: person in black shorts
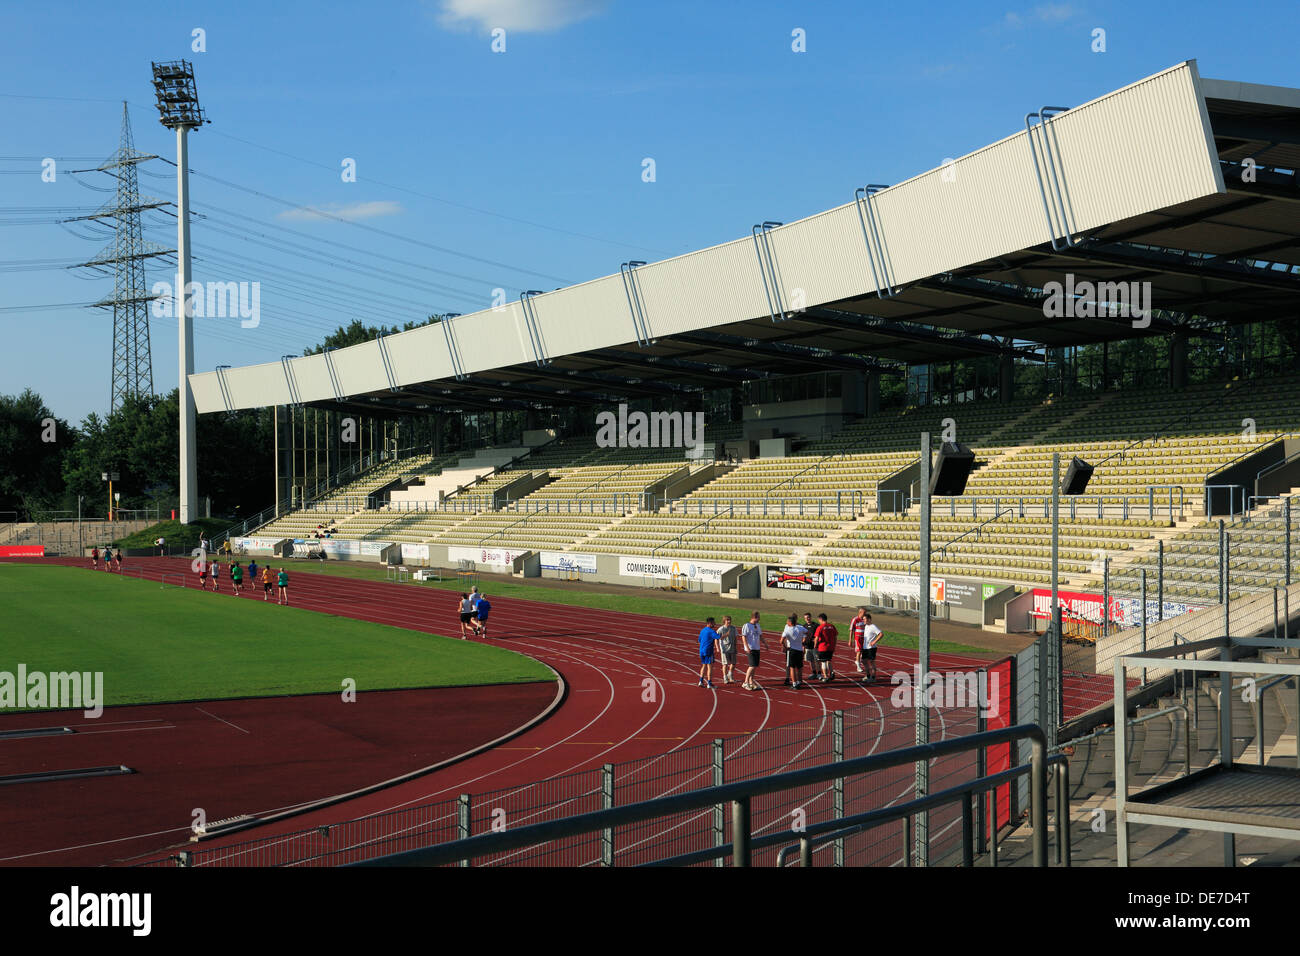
117, 560
810, 646
466, 615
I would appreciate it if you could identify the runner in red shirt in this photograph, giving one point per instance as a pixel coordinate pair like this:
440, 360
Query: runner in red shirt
857, 628
826, 637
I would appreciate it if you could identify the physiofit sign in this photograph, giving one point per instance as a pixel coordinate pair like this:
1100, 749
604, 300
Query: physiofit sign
865, 583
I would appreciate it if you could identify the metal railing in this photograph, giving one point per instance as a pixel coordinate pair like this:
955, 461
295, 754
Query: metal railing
972, 841
741, 796
942, 552
679, 538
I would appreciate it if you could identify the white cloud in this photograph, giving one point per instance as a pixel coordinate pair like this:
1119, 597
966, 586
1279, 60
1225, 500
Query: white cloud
526, 16
1043, 13
356, 210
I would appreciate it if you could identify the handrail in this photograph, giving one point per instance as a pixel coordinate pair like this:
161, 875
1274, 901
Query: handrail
975, 530
740, 795
1173, 708
721, 514
501, 533
849, 450
1276, 465
833, 830
504, 466
605, 479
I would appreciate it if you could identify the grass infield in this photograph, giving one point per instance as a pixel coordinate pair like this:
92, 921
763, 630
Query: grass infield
159, 644
635, 604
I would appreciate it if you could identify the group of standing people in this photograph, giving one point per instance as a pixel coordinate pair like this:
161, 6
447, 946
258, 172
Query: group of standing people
474, 608
112, 561
279, 579
812, 641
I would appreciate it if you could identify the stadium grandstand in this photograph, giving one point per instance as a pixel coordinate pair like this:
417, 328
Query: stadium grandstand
818, 352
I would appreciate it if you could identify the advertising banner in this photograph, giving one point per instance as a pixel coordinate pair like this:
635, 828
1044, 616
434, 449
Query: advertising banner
1126, 612
864, 583
795, 579
496, 557
22, 551
568, 561
639, 567
244, 545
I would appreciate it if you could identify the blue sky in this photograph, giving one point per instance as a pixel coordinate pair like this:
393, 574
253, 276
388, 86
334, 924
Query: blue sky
520, 169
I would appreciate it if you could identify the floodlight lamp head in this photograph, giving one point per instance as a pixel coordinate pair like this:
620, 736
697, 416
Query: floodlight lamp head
176, 95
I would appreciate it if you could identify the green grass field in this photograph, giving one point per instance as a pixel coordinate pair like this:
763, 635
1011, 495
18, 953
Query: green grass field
633, 603
156, 644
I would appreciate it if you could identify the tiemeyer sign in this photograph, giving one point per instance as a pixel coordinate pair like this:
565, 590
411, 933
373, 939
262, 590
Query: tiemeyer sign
796, 579
865, 583
640, 567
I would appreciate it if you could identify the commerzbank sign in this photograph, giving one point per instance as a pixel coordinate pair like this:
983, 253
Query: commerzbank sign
712, 571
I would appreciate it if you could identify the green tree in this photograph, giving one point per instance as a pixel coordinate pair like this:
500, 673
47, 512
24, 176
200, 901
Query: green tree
33, 444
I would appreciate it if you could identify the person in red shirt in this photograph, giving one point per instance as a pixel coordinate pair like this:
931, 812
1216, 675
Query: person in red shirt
857, 628
825, 638
94, 558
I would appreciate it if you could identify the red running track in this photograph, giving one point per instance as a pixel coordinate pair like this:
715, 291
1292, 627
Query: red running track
632, 693
226, 757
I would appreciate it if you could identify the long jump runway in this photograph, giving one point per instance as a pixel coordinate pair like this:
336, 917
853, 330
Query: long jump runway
632, 695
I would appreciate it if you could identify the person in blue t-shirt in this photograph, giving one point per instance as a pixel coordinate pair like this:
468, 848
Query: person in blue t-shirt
708, 641
481, 610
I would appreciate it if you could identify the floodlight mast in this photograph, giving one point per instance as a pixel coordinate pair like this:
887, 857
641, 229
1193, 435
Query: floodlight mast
177, 100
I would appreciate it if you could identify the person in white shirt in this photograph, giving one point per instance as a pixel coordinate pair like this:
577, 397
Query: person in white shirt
870, 638
752, 634
792, 639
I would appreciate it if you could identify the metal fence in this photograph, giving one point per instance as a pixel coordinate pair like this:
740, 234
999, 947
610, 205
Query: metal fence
841, 735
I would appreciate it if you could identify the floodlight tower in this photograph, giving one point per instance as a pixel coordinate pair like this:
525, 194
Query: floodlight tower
178, 109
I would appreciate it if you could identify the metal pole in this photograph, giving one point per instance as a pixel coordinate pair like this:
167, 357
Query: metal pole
740, 832
1121, 764
1160, 580
1225, 744
923, 659
837, 754
1105, 596
981, 759
463, 820
1038, 800
1223, 594
1286, 561
607, 803
1144, 623
719, 823
189, 477
1227, 575
1051, 636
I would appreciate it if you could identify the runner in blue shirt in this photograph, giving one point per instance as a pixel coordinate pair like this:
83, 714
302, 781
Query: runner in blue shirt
481, 611
708, 640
